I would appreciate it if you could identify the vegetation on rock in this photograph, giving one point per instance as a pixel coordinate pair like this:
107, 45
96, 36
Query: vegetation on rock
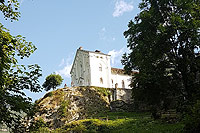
119, 122
64, 105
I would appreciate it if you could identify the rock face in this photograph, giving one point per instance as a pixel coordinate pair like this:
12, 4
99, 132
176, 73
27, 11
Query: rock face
64, 105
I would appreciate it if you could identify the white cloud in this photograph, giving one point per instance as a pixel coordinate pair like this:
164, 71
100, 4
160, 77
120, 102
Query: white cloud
66, 65
62, 62
65, 72
116, 56
121, 7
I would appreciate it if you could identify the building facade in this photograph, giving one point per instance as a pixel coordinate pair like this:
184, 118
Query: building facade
93, 69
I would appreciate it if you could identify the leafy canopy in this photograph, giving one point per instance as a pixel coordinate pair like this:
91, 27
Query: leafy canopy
10, 8
52, 81
164, 41
15, 77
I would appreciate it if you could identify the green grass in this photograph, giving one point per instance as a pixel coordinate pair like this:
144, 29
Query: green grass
121, 122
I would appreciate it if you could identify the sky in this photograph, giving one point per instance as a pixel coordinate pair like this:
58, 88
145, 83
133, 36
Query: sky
59, 28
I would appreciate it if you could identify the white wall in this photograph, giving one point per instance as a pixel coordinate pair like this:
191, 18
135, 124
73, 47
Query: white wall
93, 69
100, 70
118, 78
80, 73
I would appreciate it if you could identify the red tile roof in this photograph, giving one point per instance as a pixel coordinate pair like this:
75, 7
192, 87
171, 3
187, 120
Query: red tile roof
120, 71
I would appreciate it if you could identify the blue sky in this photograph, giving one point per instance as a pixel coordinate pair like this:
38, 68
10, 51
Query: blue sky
58, 28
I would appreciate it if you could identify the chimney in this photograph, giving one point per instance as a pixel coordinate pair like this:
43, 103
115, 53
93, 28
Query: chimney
80, 48
97, 51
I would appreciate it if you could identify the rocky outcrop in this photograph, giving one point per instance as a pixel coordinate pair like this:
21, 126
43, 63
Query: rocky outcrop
64, 105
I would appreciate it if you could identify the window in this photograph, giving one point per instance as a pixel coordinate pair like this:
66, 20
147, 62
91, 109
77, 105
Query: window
123, 85
101, 80
100, 67
116, 85
112, 82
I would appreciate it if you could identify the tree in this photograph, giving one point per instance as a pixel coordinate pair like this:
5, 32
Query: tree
14, 77
10, 8
52, 81
164, 40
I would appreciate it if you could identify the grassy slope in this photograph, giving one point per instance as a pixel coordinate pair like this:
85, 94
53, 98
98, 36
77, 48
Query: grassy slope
118, 122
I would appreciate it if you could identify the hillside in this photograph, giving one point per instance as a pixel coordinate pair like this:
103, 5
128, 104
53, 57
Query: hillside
86, 109
64, 105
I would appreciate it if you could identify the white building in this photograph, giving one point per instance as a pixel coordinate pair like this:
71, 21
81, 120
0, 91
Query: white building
93, 69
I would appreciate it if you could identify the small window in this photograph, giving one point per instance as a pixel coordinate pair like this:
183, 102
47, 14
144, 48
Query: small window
123, 85
101, 80
112, 82
100, 67
116, 85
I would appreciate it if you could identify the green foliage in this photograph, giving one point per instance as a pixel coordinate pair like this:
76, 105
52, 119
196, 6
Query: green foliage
41, 130
104, 91
164, 40
131, 122
192, 119
47, 130
116, 122
10, 8
63, 108
52, 81
14, 77
37, 125
49, 94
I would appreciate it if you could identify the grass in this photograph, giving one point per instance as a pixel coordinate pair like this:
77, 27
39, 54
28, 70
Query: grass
121, 122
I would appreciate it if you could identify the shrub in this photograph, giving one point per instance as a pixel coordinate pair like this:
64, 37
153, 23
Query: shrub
63, 108
42, 130
192, 119
104, 91
36, 125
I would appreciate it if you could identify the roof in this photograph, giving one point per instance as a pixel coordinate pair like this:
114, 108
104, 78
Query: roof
96, 52
120, 71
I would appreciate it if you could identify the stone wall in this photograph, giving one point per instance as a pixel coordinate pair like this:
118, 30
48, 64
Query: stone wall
122, 94
121, 100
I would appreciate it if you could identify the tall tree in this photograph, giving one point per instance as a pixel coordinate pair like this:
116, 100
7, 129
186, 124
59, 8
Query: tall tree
14, 78
52, 81
10, 8
164, 40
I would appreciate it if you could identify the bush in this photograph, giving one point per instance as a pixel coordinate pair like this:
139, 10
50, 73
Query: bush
37, 125
104, 91
63, 108
192, 119
41, 130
